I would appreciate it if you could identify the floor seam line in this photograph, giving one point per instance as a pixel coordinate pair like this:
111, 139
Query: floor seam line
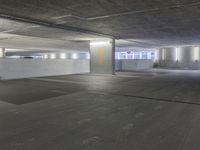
150, 98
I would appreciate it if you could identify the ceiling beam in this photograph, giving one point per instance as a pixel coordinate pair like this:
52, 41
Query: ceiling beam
53, 25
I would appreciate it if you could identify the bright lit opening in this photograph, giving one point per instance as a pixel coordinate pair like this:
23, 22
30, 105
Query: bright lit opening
177, 54
196, 54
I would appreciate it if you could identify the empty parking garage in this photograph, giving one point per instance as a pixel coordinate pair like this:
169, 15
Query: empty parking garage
99, 75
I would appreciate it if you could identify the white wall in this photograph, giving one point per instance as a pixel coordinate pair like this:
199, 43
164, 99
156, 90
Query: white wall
133, 64
24, 68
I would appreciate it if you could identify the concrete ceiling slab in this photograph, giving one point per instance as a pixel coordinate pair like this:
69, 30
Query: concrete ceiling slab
154, 23
42, 44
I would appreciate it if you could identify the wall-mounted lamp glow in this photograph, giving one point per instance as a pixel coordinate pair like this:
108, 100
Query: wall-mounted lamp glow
45, 56
196, 54
52, 56
99, 42
74, 56
63, 56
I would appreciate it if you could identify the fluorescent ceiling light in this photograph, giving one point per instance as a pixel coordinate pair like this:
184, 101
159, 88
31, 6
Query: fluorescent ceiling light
99, 42
8, 31
12, 49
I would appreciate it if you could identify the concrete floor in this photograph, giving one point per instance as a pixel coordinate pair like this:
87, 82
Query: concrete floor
156, 110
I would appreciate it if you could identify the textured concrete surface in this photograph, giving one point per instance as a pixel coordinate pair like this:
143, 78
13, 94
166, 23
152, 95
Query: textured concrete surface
150, 23
149, 110
102, 58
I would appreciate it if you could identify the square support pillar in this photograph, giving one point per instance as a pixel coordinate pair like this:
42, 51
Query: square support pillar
102, 57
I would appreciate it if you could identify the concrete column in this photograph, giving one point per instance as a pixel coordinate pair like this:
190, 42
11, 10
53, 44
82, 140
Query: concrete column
102, 57
2, 53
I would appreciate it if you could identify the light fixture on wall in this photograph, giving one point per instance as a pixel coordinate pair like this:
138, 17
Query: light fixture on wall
99, 42
63, 56
52, 56
74, 56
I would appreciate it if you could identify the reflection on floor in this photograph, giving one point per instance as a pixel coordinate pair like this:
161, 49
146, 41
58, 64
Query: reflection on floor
154, 110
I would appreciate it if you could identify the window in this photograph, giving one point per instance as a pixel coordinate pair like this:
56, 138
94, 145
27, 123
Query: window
123, 55
152, 55
137, 55
130, 56
144, 55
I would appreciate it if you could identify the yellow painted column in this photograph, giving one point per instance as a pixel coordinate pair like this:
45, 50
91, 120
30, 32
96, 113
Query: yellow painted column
101, 56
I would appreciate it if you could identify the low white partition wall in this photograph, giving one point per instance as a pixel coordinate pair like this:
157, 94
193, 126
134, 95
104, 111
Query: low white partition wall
26, 68
133, 64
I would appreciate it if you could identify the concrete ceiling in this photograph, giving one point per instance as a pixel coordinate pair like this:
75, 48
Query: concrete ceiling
140, 23
41, 44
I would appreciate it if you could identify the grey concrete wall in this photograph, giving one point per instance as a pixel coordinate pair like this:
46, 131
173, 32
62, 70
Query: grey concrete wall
24, 68
186, 57
102, 58
131, 65
118, 65
170, 54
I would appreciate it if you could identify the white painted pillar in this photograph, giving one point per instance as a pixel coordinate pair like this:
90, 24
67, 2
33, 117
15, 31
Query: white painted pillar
102, 57
2, 53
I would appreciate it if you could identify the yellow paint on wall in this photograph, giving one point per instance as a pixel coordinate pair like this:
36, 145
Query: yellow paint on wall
100, 56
